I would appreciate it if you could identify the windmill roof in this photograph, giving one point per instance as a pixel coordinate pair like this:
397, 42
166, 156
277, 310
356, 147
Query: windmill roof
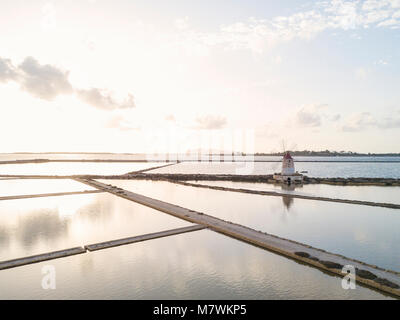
287, 156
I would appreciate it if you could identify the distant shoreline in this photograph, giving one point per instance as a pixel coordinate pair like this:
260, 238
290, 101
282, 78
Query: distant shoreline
294, 153
166, 160
331, 154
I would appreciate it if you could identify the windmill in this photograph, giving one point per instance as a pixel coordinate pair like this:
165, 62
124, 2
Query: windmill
288, 174
276, 166
292, 147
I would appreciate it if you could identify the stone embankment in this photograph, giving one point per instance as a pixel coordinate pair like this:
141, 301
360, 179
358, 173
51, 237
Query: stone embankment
265, 179
43, 195
41, 257
24, 161
150, 236
83, 160
290, 195
8, 264
141, 175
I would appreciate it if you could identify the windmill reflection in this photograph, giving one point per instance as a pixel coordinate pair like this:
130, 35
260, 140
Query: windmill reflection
287, 201
288, 188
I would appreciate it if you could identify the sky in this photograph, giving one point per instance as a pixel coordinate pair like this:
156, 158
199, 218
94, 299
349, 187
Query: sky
170, 76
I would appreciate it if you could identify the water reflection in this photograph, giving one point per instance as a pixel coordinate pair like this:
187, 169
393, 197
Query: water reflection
33, 226
71, 168
197, 265
38, 226
334, 227
364, 193
314, 169
14, 187
4, 238
288, 201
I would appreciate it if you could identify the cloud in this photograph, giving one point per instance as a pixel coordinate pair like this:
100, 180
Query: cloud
46, 82
103, 99
120, 122
371, 5
364, 120
381, 62
259, 35
210, 122
43, 81
389, 23
310, 115
7, 70
359, 122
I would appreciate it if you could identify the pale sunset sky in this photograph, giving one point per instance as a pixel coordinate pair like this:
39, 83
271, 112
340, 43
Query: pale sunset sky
103, 75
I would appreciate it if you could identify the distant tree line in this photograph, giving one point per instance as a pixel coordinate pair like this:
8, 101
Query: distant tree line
327, 153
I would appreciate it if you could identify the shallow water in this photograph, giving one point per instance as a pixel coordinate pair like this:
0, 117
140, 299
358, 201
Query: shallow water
40, 225
336, 167
369, 234
197, 265
314, 169
73, 168
14, 187
71, 156
364, 193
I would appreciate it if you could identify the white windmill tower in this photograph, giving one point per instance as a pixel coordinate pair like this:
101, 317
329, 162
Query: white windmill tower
288, 173
287, 165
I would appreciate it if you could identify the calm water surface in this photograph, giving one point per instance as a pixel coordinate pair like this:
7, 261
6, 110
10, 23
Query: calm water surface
369, 234
314, 169
14, 187
73, 168
197, 265
337, 166
39, 225
365, 193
